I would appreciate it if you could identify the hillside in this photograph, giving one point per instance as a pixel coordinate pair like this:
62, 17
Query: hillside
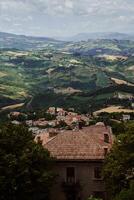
97, 35
12, 41
68, 71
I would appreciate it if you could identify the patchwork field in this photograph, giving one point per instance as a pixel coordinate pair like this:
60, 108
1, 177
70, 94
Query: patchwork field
15, 106
112, 109
120, 82
68, 68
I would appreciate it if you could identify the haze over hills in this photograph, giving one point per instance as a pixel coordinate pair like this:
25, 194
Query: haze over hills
8, 40
99, 35
16, 36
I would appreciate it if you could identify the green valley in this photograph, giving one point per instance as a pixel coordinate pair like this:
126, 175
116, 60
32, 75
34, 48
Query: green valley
75, 74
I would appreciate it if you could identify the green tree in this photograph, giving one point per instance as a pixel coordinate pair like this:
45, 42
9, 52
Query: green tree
119, 165
24, 166
126, 194
93, 198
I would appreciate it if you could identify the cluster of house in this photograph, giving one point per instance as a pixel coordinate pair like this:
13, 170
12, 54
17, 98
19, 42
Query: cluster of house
61, 118
79, 155
68, 119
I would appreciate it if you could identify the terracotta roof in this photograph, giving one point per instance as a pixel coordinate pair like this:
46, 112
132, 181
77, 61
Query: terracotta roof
85, 144
46, 136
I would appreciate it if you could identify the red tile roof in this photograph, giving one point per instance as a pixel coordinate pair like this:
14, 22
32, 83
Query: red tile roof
85, 144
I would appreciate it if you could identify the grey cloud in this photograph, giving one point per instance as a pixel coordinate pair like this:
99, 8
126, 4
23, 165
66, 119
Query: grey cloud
52, 15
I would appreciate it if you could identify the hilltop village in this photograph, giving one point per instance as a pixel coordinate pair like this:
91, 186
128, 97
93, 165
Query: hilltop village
60, 119
54, 118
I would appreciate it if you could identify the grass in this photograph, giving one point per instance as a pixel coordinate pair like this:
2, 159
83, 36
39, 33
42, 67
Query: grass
102, 79
112, 109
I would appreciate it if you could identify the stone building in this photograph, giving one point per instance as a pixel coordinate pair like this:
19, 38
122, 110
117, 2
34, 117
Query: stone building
79, 158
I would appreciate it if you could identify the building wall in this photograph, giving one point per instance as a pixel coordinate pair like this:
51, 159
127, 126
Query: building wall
84, 174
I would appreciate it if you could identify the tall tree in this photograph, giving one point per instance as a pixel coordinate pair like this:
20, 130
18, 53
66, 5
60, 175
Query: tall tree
24, 166
119, 165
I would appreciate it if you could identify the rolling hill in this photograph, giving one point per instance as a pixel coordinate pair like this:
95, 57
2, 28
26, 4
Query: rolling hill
12, 41
85, 75
97, 35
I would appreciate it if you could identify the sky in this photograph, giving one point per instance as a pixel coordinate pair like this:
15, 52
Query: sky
62, 18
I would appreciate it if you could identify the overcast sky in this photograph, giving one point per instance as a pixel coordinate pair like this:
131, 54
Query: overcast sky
66, 17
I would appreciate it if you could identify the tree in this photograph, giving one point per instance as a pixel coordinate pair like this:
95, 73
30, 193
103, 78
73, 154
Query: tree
119, 165
126, 194
93, 198
24, 166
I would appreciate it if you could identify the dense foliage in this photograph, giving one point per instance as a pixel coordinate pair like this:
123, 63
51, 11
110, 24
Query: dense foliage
24, 166
119, 166
93, 198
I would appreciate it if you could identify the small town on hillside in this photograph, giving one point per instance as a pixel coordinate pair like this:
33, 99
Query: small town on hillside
60, 118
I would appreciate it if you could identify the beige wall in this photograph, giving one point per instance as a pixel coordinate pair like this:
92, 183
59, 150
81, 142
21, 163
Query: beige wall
84, 173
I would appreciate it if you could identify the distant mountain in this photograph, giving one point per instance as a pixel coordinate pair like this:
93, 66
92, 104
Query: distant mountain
8, 40
22, 42
11, 35
94, 36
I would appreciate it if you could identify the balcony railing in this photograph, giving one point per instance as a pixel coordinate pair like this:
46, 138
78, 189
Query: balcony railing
70, 180
71, 183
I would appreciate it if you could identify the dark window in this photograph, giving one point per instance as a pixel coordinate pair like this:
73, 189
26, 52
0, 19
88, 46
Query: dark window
106, 138
105, 151
70, 174
39, 139
97, 173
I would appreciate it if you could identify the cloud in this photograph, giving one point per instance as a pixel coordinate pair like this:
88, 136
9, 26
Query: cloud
74, 7
66, 16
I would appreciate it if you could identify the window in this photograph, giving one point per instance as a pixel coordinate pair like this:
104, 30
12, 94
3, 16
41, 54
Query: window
70, 174
97, 173
105, 151
39, 139
106, 138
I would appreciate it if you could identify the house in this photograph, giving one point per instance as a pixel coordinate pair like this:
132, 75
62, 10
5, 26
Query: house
72, 114
126, 117
53, 123
29, 122
14, 114
85, 119
40, 122
79, 158
132, 105
17, 116
51, 111
15, 122
61, 112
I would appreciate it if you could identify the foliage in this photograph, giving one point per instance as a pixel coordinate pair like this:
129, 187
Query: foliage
62, 124
118, 167
93, 198
126, 194
24, 166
